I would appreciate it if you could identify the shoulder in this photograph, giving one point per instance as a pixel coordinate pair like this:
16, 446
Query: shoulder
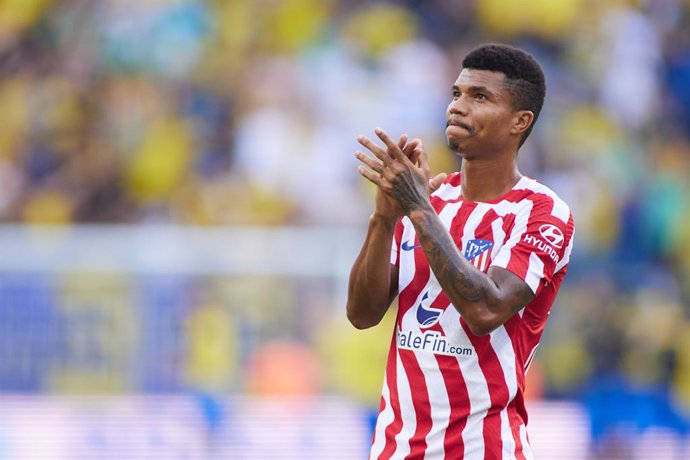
544, 200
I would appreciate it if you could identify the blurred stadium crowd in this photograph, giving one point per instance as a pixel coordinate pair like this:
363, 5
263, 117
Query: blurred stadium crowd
235, 113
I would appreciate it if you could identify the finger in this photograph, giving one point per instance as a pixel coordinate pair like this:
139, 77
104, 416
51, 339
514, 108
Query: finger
436, 181
402, 141
414, 158
380, 153
377, 166
369, 175
416, 152
410, 148
423, 161
394, 151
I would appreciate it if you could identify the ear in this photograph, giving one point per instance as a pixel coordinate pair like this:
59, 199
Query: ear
522, 121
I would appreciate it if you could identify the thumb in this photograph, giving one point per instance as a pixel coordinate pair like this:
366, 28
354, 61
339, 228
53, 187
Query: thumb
436, 181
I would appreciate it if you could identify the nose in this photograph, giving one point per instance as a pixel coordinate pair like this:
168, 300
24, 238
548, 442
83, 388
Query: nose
458, 106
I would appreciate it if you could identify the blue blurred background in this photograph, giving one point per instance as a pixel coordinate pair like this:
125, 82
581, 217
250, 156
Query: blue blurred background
180, 208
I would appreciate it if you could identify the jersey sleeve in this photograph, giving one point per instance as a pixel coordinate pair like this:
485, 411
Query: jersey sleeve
539, 243
395, 248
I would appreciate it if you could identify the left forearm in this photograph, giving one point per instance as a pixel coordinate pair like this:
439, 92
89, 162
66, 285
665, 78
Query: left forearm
472, 292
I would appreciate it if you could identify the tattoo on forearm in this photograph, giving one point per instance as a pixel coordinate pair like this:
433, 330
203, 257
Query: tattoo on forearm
455, 279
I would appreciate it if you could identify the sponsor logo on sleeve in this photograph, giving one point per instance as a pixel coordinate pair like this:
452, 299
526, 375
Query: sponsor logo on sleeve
552, 235
551, 239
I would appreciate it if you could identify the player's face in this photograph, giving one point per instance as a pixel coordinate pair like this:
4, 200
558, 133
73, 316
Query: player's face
479, 116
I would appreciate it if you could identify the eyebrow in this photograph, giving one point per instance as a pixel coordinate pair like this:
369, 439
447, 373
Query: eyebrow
476, 89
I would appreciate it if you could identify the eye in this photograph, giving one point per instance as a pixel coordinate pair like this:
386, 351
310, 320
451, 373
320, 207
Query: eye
480, 97
456, 94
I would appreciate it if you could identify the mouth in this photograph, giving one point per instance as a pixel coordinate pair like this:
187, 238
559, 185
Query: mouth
459, 124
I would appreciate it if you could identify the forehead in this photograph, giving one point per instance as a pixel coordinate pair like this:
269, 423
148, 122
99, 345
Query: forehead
493, 81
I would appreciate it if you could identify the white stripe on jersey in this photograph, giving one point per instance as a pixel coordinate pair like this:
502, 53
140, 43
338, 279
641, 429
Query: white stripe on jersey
507, 438
526, 448
535, 271
383, 420
448, 192
395, 248
503, 346
405, 277
407, 412
499, 235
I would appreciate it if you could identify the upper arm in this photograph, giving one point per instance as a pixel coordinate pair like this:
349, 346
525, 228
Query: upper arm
513, 293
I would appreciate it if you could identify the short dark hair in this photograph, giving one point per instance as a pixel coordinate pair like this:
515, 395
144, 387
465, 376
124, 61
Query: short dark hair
524, 76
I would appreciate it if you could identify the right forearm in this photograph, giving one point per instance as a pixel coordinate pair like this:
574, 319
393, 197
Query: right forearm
369, 291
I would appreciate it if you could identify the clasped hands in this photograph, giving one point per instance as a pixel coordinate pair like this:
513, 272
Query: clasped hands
401, 172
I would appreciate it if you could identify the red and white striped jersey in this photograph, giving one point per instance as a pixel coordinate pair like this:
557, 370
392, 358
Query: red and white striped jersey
447, 393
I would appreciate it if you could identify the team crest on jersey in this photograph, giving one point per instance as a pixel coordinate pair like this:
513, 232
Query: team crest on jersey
427, 316
477, 252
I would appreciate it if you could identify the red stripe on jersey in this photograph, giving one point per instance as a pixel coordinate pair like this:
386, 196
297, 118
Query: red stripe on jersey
420, 402
459, 400
493, 441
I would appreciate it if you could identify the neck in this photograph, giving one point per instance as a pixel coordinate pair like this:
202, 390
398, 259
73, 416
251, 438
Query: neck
488, 179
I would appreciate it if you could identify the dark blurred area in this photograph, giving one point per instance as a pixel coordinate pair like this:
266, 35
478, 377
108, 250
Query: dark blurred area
219, 114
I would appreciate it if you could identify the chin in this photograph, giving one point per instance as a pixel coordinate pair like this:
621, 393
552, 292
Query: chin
454, 145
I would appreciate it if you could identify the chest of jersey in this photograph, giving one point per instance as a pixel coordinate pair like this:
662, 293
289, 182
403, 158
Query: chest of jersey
427, 322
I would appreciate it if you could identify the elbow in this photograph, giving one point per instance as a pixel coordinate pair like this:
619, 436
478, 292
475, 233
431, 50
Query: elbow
360, 320
360, 323
482, 326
